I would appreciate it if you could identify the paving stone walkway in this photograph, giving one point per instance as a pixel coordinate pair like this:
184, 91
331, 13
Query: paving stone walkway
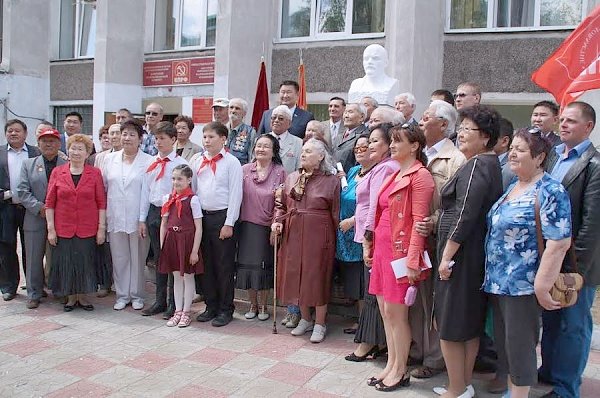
105, 353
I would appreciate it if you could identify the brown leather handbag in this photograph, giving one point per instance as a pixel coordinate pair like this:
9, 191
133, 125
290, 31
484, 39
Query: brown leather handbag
567, 285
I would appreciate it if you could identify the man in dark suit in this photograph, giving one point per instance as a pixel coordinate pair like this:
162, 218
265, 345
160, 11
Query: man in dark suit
288, 95
32, 189
567, 332
73, 123
545, 117
343, 145
12, 211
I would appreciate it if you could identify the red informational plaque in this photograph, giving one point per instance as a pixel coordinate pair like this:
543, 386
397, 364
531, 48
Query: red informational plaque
177, 72
202, 110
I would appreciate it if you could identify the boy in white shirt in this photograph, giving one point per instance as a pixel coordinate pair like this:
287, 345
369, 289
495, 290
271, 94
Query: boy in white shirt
218, 177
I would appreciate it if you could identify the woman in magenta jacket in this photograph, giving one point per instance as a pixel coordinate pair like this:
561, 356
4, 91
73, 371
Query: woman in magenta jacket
404, 199
76, 218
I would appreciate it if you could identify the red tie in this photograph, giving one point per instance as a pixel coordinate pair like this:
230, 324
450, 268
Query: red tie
212, 163
176, 198
162, 163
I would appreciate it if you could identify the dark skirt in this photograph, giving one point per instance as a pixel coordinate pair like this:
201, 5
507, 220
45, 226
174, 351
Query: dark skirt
104, 269
459, 302
370, 324
73, 268
353, 279
254, 257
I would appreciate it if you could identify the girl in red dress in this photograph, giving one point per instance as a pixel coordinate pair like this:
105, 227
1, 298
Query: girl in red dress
180, 236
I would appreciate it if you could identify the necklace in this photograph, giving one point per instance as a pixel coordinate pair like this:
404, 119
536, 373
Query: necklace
364, 172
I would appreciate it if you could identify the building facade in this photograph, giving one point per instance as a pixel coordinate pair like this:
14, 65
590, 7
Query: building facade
98, 56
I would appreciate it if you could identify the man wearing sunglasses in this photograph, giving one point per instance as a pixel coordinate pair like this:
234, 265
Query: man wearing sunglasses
467, 94
154, 114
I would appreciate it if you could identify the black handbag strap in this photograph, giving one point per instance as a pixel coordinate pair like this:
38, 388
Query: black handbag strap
540, 238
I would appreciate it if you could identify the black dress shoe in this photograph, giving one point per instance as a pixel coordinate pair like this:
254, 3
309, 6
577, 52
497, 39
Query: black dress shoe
8, 296
154, 309
169, 312
360, 358
403, 382
206, 316
69, 308
222, 319
86, 307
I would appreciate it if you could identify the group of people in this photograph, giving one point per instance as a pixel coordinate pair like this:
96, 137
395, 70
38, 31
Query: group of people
440, 212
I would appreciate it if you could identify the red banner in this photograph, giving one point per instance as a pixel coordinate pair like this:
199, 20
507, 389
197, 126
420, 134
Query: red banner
574, 67
202, 110
261, 100
177, 72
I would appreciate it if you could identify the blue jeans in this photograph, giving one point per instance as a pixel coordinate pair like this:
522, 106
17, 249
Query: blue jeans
566, 340
293, 309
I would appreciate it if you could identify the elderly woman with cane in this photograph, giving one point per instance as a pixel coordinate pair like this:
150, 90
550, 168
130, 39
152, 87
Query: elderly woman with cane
308, 216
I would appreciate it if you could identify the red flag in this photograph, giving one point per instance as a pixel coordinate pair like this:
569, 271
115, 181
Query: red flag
261, 100
575, 65
302, 84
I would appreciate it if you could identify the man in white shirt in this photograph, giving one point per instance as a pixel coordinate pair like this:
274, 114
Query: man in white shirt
219, 187
12, 212
155, 186
334, 126
290, 146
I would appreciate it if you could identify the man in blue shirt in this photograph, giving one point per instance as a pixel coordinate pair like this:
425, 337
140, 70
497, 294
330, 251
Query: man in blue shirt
567, 332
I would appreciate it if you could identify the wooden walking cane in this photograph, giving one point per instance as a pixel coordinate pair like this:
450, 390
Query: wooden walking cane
275, 286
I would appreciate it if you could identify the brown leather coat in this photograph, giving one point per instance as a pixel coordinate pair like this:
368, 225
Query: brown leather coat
305, 261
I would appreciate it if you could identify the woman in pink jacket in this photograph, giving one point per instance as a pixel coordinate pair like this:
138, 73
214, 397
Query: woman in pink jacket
404, 199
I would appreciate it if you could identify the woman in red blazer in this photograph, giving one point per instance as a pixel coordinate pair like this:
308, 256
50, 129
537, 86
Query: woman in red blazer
76, 218
404, 199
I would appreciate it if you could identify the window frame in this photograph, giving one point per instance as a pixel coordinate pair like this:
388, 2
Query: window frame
77, 30
5, 36
177, 45
314, 35
492, 12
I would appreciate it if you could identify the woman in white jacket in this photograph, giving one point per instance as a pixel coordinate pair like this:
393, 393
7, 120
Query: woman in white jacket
123, 172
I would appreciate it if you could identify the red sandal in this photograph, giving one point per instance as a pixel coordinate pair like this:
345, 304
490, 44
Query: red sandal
175, 319
185, 320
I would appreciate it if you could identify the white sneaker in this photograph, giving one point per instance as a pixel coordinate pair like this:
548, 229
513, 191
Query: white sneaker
303, 327
469, 392
263, 314
318, 333
137, 305
119, 305
252, 312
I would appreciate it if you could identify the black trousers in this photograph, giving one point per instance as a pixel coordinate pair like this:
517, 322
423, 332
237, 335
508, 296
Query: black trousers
162, 280
219, 264
9, 261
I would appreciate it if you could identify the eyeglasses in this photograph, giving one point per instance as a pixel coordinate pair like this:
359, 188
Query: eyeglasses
150, 113
279, 118
361, 149
466, 129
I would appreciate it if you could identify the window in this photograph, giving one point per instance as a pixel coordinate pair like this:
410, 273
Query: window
184, 24
330, 19
77, 37
469, 15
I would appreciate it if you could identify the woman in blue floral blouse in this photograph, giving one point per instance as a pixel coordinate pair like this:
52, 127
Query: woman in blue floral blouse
515, 275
